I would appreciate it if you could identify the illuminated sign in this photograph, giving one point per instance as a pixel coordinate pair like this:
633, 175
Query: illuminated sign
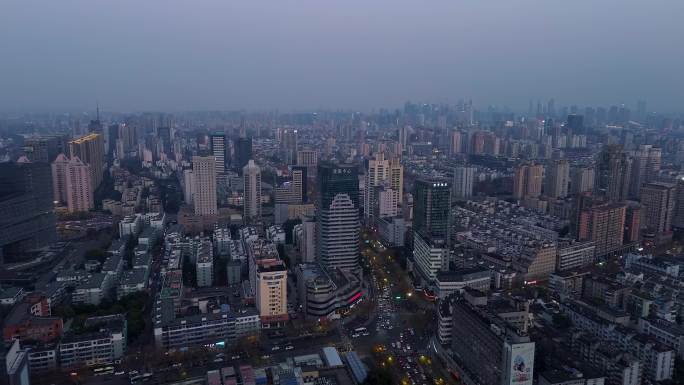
519, 363
355, 297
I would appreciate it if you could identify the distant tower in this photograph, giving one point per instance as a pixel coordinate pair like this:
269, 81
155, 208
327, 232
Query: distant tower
575, 125
463, 182
288, 145
557, 179
95, 126
243, 152
252, 208
218, 148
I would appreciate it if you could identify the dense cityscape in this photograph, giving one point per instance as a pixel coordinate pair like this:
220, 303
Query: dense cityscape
241, 192
431, 244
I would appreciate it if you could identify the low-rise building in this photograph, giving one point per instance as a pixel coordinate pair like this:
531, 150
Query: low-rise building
42, 357
448, 282
203, 329
667, 333
132, 281
11, 295
574, 255
23, 324
205, 264
117, 326
392, 231
275, 234
130, 225
324, 293
92, 291
88, 349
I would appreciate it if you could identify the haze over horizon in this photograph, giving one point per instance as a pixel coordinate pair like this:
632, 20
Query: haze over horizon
295, 55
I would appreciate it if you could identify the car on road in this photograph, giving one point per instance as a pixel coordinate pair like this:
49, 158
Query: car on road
275, 348
289, 347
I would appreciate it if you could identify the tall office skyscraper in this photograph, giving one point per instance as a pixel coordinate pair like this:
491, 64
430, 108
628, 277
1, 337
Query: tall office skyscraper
658, 205
243, 152
337, 208
164, 134
112, 137
431, 207
27, 218
463, 181
558, 179
288, 145
45, 148
527, 181
204, 177
575, 125
90, 150
396, 177
218, 148
252, 208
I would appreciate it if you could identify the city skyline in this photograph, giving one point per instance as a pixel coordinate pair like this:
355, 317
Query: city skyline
239, 55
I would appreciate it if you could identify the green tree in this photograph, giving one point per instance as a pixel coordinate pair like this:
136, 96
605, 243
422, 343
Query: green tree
379, 376
97, 254
561, 321
283, 254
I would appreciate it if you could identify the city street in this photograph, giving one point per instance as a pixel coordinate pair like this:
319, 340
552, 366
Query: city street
401, 325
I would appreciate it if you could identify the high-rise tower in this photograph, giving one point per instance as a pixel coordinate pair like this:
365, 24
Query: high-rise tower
337, 210
218, 149
252, 208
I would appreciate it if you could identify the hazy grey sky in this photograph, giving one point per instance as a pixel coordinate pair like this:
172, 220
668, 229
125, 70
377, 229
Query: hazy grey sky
361, 54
